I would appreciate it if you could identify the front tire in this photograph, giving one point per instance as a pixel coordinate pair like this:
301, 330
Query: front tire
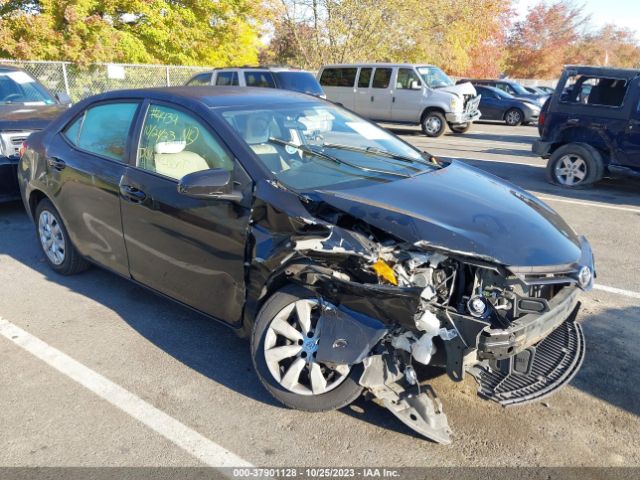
575, 165
514, 117
433, 124
462, 128
283, 344
56, 245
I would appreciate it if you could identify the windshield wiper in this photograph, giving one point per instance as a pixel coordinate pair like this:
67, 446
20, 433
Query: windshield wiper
379, 152
332, 159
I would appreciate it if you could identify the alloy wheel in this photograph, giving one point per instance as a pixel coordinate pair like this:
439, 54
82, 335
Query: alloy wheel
290, 347
571, 170
51, 237
432, 125
514, 117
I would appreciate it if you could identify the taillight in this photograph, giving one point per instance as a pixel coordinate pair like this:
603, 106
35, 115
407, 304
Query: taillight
541, 119
23, 148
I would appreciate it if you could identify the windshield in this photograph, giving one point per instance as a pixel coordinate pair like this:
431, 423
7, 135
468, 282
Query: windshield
433, 77
19, 87
309, 146
299, 82
519, 89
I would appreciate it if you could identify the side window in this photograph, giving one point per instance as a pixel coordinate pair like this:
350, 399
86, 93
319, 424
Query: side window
381, 78
407, 79
597, 91
365, 77
227, 78
338, 77
259, 79
103, 129
174, 144
200, 80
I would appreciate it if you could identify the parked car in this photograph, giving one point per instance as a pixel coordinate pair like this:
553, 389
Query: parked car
25, 106
267, 77
345, 254
545, 89
498, 105
591, 126
402, 93
512, 88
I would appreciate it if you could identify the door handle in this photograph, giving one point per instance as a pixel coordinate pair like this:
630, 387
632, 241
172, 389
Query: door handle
55, 162
393, 99
573, 121
372, 98
132, 194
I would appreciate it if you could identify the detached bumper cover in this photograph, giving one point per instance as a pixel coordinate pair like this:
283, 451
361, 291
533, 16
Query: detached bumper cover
463, 117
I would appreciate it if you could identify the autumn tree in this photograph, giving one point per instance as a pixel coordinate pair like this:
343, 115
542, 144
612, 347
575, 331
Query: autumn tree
608, 46
197, 32
449, 33
538, 45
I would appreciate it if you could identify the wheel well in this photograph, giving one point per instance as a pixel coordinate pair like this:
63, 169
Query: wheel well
429, 110
275, 283
34, 199
512, 108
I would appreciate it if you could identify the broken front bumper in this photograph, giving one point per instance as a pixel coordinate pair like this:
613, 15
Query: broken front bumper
9, 179
529, 329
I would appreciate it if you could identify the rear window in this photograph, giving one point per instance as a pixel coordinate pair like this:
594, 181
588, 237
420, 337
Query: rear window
299, 82
20, 87
596, 91
338, 77
259, 79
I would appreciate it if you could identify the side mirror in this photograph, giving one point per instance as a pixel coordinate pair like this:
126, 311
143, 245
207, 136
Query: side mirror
415, 85
63, 98
211, 184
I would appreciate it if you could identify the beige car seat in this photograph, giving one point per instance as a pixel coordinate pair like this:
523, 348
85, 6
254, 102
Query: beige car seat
177, 164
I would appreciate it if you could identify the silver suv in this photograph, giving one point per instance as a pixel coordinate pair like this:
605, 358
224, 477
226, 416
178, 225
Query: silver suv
268, 77
403, 93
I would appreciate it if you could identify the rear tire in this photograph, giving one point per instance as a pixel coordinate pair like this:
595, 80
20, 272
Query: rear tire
575, 165
462, 128
514, 117
281, 324
54, 239
433, 123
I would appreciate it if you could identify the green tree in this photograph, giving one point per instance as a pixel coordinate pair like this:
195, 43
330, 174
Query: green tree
196, 32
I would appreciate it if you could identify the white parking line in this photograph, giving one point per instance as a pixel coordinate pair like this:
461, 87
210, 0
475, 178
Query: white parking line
587, 203
205, 450
617, 291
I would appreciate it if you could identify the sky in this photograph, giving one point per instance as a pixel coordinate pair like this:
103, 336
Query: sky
623, 13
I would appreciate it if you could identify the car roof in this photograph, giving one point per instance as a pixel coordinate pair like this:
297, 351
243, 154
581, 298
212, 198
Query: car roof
377, 64
269, 69
591, 70
212, 96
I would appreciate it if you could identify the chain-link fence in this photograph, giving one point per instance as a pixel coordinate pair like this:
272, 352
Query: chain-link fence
79, 83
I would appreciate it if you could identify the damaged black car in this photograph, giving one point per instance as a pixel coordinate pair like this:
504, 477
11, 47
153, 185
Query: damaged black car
349, 258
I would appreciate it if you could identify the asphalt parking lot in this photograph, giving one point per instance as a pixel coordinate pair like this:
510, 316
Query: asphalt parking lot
121, 377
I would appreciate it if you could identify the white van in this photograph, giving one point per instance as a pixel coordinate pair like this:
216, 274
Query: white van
403, 93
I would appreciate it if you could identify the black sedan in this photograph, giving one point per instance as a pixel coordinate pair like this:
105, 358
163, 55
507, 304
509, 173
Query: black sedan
346, 255
25, 106
498, 105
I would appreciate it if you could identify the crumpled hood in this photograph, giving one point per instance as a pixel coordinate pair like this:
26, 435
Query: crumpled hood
461, 209
28, 117
461, 89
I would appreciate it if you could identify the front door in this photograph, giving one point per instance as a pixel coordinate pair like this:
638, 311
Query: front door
407, 97
192, 250
87, 160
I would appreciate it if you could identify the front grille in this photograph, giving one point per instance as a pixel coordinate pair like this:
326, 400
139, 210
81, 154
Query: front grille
12, 141
471, 103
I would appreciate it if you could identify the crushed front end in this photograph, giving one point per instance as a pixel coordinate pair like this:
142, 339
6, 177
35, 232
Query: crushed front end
395, 307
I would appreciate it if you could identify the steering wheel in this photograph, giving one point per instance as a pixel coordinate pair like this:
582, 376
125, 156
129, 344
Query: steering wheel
11, 96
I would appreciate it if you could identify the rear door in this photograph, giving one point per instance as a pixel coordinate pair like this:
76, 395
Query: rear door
190, 249
407, 96
339, 85
381, 94
85, 163
491, 107
631, 138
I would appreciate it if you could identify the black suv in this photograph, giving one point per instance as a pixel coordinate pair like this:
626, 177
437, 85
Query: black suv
591, 125
25, 106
